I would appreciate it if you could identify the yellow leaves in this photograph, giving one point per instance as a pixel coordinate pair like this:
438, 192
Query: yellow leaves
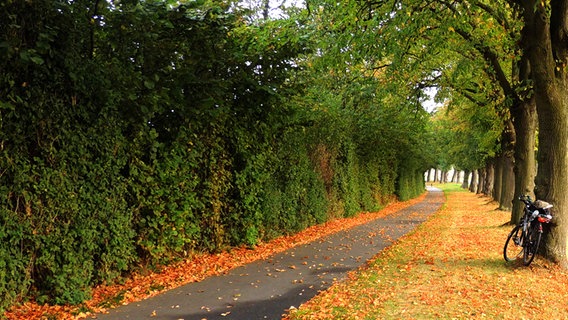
451, 267
451, 29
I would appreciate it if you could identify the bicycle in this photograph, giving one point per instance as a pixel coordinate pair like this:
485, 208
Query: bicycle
524, 239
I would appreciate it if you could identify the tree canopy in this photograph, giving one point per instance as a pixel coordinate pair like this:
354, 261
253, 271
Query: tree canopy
138, 132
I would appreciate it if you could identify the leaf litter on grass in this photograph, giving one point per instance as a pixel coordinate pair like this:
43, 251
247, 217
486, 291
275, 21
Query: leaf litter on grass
451, 267
140, 286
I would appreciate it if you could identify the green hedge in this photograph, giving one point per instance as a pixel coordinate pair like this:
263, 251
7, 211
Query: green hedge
144, 146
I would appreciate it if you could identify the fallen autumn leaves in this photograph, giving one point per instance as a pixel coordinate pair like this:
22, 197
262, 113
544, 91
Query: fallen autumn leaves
141, 286
451, 267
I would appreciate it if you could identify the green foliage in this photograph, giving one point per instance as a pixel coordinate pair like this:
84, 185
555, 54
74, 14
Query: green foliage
139, 133
470, 135
164, 202
15, 257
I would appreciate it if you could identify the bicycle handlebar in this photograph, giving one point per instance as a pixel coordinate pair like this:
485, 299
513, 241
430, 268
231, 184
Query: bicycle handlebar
526, 199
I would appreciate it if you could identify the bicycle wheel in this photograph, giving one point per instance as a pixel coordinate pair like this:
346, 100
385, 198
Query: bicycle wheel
531, 245
513, 249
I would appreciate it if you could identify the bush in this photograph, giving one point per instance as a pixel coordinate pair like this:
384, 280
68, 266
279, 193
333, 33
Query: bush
186, 131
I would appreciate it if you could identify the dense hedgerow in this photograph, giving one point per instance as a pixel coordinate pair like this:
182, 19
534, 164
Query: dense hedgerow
138, 134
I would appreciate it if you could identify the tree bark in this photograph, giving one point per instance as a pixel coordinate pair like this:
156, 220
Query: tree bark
498, 178
465, 183
525, 121
482, 177
489, 177
473, 183
507, 164
547, 46
507, 183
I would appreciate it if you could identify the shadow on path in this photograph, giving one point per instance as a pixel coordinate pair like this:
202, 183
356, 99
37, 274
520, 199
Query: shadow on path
265, 289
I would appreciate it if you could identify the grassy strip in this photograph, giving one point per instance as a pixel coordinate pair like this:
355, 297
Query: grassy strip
451, 267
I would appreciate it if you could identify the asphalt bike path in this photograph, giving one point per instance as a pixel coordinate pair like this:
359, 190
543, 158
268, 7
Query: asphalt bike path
265, 289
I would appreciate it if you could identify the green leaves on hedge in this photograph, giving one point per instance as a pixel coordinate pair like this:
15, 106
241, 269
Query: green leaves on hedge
150, 130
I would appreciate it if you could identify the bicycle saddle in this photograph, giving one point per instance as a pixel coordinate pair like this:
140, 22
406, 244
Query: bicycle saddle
539, 204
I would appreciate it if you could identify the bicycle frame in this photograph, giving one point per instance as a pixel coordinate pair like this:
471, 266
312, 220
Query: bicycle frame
527, 233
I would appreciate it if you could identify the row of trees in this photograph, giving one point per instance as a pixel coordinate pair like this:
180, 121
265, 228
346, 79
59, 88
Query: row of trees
134, 133
500, 67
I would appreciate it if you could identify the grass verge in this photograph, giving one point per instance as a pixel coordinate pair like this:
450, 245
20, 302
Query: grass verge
451, 267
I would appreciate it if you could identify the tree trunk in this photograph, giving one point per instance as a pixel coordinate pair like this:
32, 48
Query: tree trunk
482, 176
524, 117
547, 47
455, 176
430, 175
507, 183
465, 182
507, 164
525, 121
498, 179
489, 177
473, 183
266, 9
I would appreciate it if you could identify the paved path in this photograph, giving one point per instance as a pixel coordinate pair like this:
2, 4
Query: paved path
266, 289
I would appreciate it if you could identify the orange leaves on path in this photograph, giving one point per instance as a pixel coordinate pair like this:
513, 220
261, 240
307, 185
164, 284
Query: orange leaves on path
451, 267
200, 266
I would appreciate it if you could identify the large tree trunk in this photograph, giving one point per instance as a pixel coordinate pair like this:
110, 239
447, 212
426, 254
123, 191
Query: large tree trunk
524, 116
525, 121
547, 46
507, 164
